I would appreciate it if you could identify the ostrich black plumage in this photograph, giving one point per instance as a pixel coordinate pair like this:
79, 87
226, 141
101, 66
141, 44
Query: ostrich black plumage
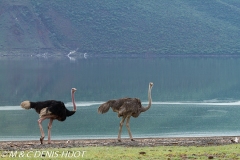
50, 109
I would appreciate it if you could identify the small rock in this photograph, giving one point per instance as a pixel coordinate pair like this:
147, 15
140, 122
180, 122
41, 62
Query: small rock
210, 157
142, 153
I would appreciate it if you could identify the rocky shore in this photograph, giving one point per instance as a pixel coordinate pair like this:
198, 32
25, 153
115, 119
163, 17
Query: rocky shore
139, 142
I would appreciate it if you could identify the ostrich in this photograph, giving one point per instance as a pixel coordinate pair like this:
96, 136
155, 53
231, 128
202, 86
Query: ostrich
52, 110
126, 107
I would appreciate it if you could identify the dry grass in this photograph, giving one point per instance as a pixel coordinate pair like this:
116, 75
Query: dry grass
160, 152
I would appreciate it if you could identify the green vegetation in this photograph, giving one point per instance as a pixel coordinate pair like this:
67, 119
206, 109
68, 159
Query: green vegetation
125, 27
161, 152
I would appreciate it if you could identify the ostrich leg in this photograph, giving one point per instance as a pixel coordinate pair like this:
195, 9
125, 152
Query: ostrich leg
120, 129
41, 129
49, 130
128, 128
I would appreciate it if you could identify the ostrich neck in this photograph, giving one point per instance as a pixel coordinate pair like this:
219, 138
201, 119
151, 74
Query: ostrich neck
73, 101
149, 100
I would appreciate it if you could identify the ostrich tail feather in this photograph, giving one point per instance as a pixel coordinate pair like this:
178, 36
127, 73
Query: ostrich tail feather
25, 105
103, 108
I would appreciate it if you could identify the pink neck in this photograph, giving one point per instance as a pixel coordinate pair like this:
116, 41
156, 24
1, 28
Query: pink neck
73, 101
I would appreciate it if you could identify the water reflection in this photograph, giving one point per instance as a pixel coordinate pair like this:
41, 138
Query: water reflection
166, 120
176, 79
190, 95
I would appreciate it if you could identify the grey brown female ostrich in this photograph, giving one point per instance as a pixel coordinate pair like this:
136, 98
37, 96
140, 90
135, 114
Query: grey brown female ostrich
126, 107
50, 109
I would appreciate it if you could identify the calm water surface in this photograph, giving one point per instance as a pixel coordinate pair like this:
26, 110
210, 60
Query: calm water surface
191, 96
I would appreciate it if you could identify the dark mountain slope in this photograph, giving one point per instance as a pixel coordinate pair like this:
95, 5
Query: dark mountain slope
155, 26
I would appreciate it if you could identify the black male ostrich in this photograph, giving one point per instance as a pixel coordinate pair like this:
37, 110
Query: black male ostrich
50, 109
126, 107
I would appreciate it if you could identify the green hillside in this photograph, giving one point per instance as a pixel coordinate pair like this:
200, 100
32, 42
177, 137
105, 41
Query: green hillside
120, 27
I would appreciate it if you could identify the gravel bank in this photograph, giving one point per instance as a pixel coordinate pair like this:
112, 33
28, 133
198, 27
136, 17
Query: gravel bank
139, 142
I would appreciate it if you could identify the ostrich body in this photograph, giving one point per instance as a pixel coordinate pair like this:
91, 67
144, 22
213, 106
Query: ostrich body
50, 109
126, 107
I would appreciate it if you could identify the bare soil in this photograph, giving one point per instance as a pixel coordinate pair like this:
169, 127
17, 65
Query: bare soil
139, 142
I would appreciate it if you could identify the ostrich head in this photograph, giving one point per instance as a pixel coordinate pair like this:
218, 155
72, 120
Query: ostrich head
74, 90
25, 105
151, 84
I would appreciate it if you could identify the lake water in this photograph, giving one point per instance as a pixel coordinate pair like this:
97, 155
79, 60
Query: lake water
192, 96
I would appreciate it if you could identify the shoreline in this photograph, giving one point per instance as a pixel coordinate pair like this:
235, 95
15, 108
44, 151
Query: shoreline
126, 142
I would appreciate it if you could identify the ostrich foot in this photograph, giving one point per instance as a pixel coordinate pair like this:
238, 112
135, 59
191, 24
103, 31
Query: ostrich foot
41, 139
49, 142
132, 139
119, 140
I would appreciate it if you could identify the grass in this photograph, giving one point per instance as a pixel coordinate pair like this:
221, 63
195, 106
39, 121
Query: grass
161, 152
